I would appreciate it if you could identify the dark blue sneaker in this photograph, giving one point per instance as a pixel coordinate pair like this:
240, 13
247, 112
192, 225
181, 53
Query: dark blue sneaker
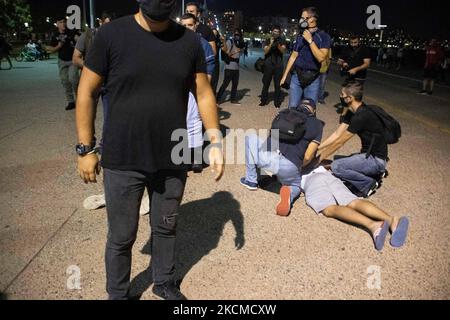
249, 185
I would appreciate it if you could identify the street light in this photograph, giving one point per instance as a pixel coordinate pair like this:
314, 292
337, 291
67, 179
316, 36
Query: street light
381, 27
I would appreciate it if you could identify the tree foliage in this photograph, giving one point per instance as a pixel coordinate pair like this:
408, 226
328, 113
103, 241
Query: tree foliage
14, 14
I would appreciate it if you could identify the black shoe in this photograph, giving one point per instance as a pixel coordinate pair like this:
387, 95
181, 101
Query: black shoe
430, 93
235, 102
422, 92
168, 291
277, 106
263, 104
70, 106
372, 190
197, 168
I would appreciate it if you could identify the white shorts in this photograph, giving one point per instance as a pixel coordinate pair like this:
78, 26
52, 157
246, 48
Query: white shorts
323, 190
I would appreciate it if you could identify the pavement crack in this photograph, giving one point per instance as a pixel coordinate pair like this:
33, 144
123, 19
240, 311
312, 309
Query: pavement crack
38, 253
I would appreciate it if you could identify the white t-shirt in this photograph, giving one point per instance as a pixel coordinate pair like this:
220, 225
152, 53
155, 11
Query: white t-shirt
308, 175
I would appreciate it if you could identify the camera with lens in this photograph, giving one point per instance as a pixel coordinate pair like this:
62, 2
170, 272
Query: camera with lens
239, 43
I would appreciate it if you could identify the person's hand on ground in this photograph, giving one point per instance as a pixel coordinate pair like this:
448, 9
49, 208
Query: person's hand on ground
89, 168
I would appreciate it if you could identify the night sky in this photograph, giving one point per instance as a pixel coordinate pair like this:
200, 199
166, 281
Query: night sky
418, 17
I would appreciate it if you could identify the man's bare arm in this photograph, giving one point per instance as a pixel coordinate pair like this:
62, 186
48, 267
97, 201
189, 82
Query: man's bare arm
88, 91
310, 153
335, 146
208, 111
333, 137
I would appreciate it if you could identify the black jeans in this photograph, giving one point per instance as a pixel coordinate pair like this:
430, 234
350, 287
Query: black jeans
274, 71
123, 192
233, 77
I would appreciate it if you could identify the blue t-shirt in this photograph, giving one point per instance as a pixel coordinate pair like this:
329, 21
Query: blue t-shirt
295, 153
209, 56
306, 59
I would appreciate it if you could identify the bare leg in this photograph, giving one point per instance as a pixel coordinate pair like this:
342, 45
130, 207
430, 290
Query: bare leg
352, 216
370, 210
431, 85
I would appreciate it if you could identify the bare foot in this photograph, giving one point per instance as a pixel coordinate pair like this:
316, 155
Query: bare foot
394, 224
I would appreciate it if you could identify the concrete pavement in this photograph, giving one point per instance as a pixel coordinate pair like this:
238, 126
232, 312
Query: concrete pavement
46, 236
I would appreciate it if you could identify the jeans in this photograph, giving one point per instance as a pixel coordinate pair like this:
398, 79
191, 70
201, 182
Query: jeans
257, 157
123, 192
359, 171
233, 77
275, 72
297, 93
70, 77
323, 80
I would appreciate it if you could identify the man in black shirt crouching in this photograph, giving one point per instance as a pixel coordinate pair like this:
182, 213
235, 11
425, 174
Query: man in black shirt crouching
358, 169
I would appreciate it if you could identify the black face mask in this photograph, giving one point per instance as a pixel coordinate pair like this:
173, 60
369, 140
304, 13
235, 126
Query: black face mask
157, 10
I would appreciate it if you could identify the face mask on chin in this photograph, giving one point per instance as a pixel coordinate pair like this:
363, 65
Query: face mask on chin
157, 10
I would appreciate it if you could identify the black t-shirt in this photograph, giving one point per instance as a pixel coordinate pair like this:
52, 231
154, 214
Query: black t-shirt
275, 56
367, 126
148, 78
295, 153
68, 40
355, 58
206, 32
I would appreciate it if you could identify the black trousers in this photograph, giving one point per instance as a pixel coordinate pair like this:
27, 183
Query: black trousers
233, 77
123, 192
274, 72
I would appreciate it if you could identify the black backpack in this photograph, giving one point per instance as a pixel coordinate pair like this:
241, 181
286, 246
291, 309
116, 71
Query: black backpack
291, 124
392, 129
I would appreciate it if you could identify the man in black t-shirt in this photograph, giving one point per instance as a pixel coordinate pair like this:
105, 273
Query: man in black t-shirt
355, 61
64, 42
274, 50
148, 64
361, 169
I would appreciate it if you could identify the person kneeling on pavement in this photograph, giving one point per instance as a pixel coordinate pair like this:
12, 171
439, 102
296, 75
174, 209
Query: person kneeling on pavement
282, 157
361, 170
328, 195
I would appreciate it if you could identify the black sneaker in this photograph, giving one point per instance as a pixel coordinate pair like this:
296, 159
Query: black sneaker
423, 92
168, 291
263, 104
373, 189
430, 93
70, 106
197, 168
237, 103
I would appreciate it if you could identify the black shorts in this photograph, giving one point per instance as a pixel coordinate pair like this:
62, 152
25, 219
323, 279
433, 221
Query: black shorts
431, 72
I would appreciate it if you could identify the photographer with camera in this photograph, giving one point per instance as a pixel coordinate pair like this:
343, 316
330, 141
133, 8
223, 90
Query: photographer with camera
274, 49
231, 53
311, 49
355, 61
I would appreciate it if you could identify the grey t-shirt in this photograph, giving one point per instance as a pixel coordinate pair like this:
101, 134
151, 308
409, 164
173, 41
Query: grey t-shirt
235, 54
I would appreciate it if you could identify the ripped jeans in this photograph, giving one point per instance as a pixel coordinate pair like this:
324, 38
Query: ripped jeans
124, 191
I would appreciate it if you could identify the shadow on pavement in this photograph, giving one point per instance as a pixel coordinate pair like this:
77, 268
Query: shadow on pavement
3, 296
200, 227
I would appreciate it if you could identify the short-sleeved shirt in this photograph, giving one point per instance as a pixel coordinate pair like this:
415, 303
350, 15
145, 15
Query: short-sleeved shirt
148, 78
367, 126
209, 56
234, 54
434, 56
295, 152
206, 32
355, 58
306, 59
68, 40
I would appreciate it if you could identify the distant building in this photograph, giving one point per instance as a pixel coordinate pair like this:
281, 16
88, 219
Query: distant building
231, 20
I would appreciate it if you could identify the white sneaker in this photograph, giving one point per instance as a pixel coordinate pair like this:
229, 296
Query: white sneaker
94, 202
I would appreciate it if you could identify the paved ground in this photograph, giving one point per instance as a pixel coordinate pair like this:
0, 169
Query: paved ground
44, 229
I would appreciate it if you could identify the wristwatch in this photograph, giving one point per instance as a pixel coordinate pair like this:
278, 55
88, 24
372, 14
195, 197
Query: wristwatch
83, 150
311, 41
